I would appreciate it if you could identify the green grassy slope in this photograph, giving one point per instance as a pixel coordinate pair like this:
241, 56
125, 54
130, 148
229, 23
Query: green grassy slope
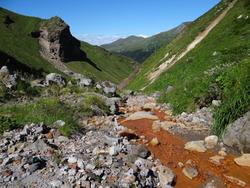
19, 48
109, 66
217, 68
16, 42
139, 48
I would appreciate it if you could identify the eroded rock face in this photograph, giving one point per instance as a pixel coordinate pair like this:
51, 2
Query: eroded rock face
237, 134
57, 43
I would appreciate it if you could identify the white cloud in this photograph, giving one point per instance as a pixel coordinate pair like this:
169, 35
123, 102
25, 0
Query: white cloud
144, 36
99, 39
103, 39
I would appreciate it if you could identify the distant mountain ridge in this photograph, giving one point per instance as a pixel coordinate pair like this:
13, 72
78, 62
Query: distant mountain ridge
140, 48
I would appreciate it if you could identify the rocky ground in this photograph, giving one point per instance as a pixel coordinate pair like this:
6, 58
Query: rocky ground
143, 145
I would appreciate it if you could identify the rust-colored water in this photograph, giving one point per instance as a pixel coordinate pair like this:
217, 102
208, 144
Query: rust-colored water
171, 151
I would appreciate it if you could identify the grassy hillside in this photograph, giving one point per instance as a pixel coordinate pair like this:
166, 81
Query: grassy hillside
217, 68
139, 48
19, 50
17, 43
108, 66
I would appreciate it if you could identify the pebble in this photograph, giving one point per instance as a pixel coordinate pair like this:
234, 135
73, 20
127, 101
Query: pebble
197, 146
190, 172
154, 142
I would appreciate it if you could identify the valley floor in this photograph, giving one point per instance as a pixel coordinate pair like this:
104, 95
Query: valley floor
144, 146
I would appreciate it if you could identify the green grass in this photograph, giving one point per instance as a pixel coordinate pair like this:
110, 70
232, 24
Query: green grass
111, 67
235, 84
193, 86
175, 47
16, 41
47, 110
90, 100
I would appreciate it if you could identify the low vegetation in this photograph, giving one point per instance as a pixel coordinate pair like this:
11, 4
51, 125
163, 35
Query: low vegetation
46, 110
217, 68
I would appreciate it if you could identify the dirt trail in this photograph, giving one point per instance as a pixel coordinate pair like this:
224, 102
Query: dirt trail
125, 82
171, 151
172, 60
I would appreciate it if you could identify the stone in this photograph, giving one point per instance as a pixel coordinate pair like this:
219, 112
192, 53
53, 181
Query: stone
216, 102
156, 126
6, 78
114, 150
166, 176
72, 172
72, 160
138, 151
211, 141
222, 153
243, 160
235, 180
59, 123
38, 146
142, 115
154, 142
190, 172
55, 78
197, 146
80, 163
169, 89
216, 159
237, 134
149, 106
85, 82
56, 183
213, 182
108, 87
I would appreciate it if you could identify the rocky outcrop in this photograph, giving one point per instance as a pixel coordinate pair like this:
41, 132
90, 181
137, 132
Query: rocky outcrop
57, 43
237, 135
6, 78
54, 78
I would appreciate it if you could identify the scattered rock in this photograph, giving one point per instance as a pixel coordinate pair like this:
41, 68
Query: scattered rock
216, 102
59, 123
196, 146
211, 141
6, 78
72, 160
190, 172
166, 176
243, 160
142, 115
154, 142
235, 180
237, 134
55, 78
56, 183
216, 159
213, 182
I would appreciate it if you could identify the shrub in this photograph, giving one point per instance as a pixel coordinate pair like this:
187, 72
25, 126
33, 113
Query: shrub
7, 123
235, 83
47, 110
92, 102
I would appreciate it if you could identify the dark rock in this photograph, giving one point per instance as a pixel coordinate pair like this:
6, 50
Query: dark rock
139, 150
35, 34
7, 21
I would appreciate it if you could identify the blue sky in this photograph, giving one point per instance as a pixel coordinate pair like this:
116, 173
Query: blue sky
102, 21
